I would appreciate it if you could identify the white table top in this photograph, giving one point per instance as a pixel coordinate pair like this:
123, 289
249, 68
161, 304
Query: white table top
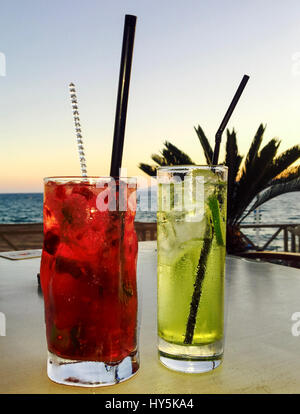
261, 354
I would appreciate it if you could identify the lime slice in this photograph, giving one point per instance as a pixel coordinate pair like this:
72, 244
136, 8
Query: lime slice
216, 218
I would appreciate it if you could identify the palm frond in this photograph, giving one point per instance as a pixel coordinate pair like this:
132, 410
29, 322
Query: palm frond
247, 174
148, 169
207, 149
254, 177
175, 156
232, 161
288, 174
170, 155
161, 161
283, 161
254, 147
275, 191
262, 176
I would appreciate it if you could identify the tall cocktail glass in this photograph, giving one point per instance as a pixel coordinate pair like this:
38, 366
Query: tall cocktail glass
88, 279
191, 237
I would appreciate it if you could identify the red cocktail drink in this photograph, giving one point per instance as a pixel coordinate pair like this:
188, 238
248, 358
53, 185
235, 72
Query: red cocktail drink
88, 277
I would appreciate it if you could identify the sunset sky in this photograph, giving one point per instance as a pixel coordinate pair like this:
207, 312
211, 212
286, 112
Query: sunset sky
189, 58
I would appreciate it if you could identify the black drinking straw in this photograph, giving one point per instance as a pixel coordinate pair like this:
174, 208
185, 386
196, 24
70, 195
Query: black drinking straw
227, 117
122, 99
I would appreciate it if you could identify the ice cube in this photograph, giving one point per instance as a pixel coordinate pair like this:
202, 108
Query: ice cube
84, 191
75, 211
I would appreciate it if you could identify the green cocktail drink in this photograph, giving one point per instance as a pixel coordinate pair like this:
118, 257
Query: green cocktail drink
191, 227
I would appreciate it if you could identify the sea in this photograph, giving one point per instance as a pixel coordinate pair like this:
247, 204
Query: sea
285, 209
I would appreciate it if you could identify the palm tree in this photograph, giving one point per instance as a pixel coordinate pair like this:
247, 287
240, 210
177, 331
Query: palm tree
252, 180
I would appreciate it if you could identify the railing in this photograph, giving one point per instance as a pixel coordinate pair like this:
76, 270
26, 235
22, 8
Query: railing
21, 236
30, 236
291, 236
145, 231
